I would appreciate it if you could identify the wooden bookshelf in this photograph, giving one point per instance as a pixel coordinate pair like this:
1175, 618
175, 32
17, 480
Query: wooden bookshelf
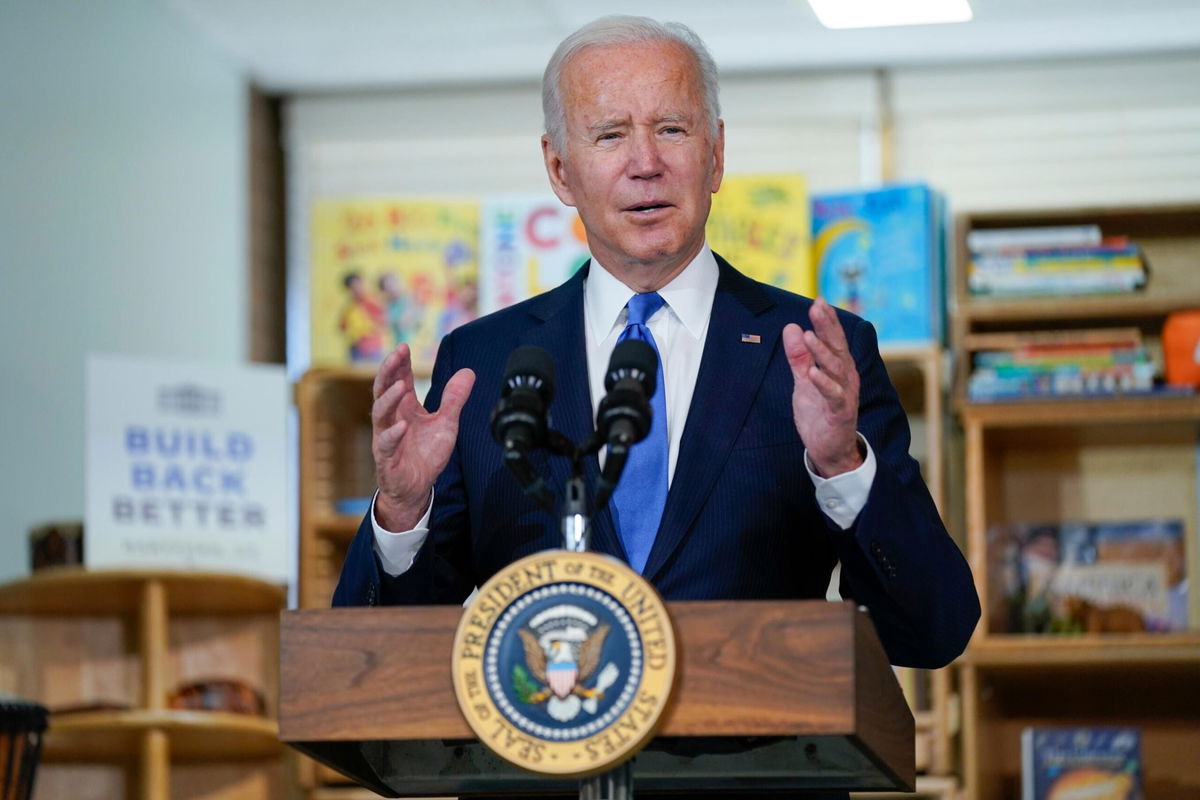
1168, 237
111, 646
1151, 692
1115, 651
918, 376
335, 463
194, 735
1090, 459
1091, 412
1134, 306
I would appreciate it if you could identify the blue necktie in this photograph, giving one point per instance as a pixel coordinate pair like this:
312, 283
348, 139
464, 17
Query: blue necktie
641, 493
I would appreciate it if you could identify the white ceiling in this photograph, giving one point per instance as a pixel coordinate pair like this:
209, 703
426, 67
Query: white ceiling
323, 45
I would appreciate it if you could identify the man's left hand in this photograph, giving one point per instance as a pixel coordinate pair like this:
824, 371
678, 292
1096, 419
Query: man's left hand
825, 398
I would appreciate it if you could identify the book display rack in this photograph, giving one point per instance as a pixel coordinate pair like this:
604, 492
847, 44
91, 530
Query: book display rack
1098, 458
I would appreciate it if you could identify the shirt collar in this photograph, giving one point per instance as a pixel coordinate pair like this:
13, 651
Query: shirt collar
689, 294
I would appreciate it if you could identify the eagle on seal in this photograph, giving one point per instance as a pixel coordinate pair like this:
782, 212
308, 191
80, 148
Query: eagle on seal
562, 665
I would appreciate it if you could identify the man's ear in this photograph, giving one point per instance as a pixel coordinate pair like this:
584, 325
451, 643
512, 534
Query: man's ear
556, 171
718, 157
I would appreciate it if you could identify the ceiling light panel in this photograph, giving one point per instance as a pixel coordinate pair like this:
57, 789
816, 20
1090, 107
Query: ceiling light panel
881, 13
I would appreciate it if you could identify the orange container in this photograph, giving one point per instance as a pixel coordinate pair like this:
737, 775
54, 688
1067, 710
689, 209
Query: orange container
1181, 348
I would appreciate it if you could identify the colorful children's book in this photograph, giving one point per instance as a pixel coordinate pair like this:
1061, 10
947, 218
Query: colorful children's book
390, 270
1086, 763
1089, 577
528, 245
879, 254
760, 223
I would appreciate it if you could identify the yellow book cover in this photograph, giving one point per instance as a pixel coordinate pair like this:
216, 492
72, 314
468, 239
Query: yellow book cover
386, 271
760, 224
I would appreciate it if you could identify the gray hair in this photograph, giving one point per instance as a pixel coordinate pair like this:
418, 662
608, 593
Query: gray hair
623, 30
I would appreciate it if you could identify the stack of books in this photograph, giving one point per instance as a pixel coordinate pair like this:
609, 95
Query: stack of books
1063, 260
1104, 361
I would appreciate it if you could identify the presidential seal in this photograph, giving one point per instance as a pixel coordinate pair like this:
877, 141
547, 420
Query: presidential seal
564, 662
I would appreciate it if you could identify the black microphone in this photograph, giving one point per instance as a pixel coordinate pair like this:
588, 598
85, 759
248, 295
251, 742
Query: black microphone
519, 421
624, 414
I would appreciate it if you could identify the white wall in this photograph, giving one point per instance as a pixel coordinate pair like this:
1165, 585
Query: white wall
122, 216
1120, 131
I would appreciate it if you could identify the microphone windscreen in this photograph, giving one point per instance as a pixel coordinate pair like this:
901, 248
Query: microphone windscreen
636, 359
531, 366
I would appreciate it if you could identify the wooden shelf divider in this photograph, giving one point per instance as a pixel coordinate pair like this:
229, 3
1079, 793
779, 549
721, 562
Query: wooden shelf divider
154, 630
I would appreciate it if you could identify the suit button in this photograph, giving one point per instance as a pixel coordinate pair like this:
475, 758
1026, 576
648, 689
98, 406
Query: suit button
876, 550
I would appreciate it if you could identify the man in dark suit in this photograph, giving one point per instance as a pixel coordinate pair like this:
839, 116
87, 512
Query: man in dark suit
781, 447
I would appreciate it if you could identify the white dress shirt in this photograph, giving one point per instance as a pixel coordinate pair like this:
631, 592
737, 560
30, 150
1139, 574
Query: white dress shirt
680, 328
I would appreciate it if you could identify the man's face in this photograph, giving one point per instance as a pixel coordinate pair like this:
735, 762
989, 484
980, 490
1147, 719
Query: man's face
640, 162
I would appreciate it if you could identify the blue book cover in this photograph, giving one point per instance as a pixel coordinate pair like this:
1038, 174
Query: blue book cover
879, 254
1096, 763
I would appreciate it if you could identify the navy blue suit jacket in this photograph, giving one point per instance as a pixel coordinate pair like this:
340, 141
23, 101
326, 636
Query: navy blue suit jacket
741, 519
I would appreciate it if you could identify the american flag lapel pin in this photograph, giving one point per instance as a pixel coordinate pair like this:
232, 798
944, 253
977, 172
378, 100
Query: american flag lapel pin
751, 338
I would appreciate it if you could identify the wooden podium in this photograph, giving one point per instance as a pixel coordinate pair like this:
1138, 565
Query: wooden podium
769, 695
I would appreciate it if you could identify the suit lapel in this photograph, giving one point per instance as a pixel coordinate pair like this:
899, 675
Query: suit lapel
562, 335
731, 372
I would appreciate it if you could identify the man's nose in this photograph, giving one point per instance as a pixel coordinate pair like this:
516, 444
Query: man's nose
645, 159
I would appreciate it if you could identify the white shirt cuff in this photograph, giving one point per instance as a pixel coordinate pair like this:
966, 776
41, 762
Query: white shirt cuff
397, 551
842, 497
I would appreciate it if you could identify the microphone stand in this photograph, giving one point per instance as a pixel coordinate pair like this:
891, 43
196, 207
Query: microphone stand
575, 521
616, 783
575, 518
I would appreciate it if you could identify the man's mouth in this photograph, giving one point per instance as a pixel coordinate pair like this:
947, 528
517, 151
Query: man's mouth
647, 208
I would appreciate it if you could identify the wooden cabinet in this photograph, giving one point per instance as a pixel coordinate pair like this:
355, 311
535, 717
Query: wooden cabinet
103, 650
1099, 459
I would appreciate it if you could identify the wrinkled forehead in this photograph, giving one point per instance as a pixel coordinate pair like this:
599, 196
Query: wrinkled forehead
660, 76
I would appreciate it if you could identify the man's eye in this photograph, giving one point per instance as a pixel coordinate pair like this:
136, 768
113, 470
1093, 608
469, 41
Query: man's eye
608, 137
672, 130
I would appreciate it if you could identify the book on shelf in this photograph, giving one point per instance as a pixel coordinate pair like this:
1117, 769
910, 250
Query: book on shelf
1088, 577
1007, 239
1079, 278
1050, 261
1014, 340
1081, 763
880, 253
1068, 381
1049, 364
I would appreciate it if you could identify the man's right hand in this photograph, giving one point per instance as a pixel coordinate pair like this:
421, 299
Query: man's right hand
411, 446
